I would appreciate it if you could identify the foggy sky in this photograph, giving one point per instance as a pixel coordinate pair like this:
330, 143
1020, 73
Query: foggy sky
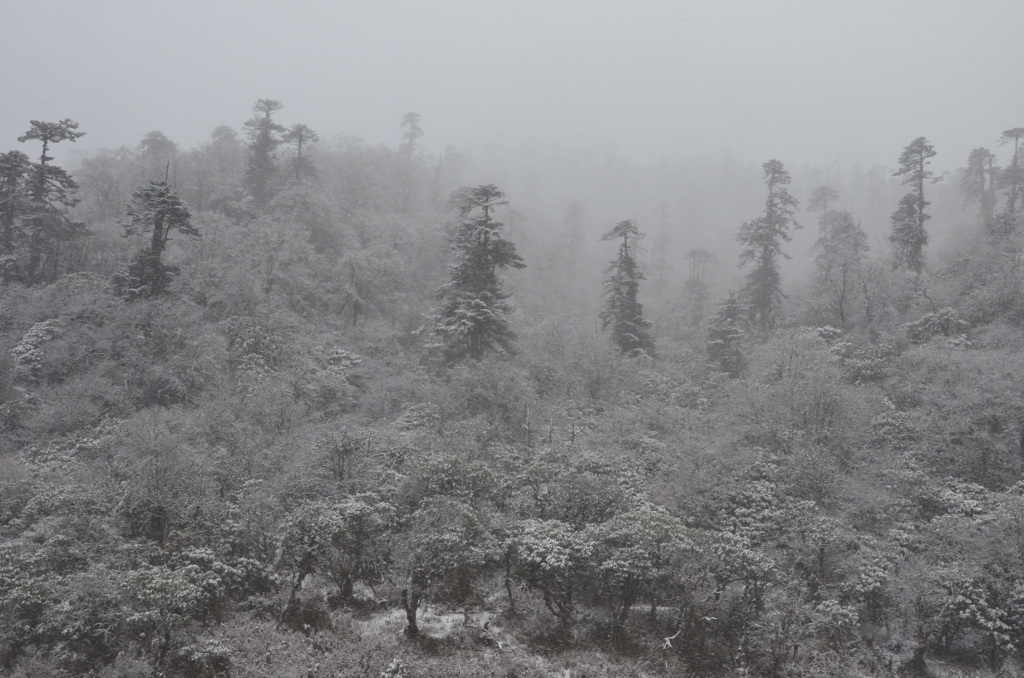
810, 81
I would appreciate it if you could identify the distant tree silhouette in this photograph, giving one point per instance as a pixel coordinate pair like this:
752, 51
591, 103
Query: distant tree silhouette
264, 137
623, 313
909, 237
761, 241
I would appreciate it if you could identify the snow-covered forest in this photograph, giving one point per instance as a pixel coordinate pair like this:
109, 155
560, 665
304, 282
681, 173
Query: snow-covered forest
278, 402
287, 402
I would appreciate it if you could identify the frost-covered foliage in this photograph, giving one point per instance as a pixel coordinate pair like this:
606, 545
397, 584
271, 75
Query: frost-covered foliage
471, 318
944, 322
261, 471
28, 353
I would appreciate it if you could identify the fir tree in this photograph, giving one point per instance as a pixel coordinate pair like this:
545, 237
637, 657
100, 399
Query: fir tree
155, 210
1008, 221
978, 185
622, 311
264, 138
411, 133
908, 235
471, 318
726, 332
51, 192
762, 241
14, 205
299, 136
408, 153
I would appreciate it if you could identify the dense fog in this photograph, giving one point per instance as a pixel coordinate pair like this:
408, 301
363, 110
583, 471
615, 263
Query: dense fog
399, 339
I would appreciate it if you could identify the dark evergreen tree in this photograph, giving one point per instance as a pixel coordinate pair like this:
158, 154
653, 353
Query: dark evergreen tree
623, 312
471, 318
411, 133
51, 191
300, 135
155, 210
726, 332
978, 185
761, 241
1008, 222
908, 234
264, 137
14, 205
408, 159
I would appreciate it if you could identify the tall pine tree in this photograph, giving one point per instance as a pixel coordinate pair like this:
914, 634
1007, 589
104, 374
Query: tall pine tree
908, 235
14, 205
978, 185
264, 138
761, 241
622, 312
726, 332
471, 318
155, 210
51, 192
1009, 221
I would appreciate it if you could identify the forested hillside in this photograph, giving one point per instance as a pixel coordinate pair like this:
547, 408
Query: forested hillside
289, 405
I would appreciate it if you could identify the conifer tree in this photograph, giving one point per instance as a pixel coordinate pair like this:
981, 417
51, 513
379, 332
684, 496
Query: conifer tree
14, 205
300, 135
51, 192
264, 138
411, 133
155, 210
1008, 222
762, 241
622, 311
471, 318
908, 235
978, 185
726, 331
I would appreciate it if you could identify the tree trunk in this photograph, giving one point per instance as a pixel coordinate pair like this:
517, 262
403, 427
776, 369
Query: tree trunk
411, 604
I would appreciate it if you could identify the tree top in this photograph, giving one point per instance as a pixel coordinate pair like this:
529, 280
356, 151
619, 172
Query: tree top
625, 229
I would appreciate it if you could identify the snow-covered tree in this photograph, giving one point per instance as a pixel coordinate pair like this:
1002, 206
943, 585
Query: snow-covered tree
264, 138
762, 241
908, 235
1008, 222
155, 210
978, 184
51, 191
299, 136
471, 318
725, 336
623, 313
14, 204
840, 252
